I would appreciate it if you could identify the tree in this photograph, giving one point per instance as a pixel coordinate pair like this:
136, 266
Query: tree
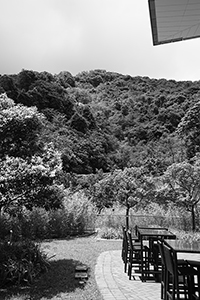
130, 187
103, 193
27, 184
189, 130
19, 128
182, 185
134, 188
27, 174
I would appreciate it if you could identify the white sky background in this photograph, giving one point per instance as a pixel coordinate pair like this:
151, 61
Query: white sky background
83, 35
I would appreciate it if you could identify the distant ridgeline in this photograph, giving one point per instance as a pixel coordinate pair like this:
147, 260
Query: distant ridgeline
103, 120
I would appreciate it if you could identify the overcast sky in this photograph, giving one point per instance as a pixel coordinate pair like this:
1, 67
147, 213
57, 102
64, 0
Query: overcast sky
83, 35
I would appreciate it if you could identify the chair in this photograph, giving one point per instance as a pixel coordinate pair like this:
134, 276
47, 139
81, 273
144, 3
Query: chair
135, 256
126, 246
178, 277
123, 244
196, 283
163, 273
125, 249
163, 270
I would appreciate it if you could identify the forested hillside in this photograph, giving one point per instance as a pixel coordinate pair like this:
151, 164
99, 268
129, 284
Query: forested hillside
102, 120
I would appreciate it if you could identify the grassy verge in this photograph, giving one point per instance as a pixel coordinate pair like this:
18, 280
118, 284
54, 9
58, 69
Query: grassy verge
59, 282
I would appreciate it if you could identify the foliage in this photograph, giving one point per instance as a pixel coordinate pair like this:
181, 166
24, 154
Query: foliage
30, 183
86, 154
182, 185
130, 187
109, 223
77, 216
189, 130
65, 79
110, 233
130, 113
100, 120
133, 186
28, 169
21, 262
19, 128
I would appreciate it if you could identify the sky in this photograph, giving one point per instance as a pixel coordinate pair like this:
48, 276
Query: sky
84, 35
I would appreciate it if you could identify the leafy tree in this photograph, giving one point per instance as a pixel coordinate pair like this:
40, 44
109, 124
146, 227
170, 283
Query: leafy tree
65, 79
7, 85
27, 176
19, 128
189, 130
29, 183
79, 123
44, 94
25, 79
134, 188
85, 154
182, 185
103, 193
130, 187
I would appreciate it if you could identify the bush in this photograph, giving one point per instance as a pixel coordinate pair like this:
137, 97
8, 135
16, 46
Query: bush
110, 233
21, 262
77, 216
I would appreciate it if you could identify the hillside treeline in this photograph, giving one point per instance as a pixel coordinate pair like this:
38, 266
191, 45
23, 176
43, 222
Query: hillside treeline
103, 120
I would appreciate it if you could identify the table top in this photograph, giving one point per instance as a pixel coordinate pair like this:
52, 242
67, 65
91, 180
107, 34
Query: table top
183, 246
189, 256
151, 232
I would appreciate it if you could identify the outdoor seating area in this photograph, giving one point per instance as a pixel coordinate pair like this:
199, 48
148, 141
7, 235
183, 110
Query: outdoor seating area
155, 254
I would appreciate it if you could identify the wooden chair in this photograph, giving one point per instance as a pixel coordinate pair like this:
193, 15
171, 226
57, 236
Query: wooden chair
163, 273
125, 249
134, 255
126, 246
178, 277
196, 283
123, 244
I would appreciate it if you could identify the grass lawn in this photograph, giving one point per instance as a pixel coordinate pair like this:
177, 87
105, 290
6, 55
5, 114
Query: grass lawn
59, 282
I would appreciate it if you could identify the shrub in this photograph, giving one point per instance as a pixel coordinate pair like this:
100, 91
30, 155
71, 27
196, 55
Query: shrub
77, 216
21, 262
81, 213
109, 233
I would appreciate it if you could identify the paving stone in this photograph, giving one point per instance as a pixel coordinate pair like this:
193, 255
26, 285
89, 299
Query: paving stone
114, 284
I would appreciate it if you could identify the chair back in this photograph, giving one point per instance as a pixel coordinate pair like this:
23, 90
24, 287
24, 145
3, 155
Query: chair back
170, 260
125, 239
162, 256
130, 240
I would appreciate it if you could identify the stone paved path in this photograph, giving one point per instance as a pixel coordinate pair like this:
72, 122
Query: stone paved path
114, 284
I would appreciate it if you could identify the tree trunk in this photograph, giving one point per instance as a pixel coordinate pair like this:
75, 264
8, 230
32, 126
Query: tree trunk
193, 218
127, 216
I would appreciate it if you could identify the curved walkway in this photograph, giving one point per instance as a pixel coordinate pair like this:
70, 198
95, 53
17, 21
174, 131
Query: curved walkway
114, 284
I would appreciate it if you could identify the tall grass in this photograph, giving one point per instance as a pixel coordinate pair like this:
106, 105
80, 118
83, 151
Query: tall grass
76, 217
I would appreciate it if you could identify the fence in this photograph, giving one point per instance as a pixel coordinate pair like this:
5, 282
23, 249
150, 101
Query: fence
116, 221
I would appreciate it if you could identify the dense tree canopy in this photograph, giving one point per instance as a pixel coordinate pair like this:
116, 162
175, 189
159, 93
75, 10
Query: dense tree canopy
189, 130
130, 113
28, 169
19, 128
